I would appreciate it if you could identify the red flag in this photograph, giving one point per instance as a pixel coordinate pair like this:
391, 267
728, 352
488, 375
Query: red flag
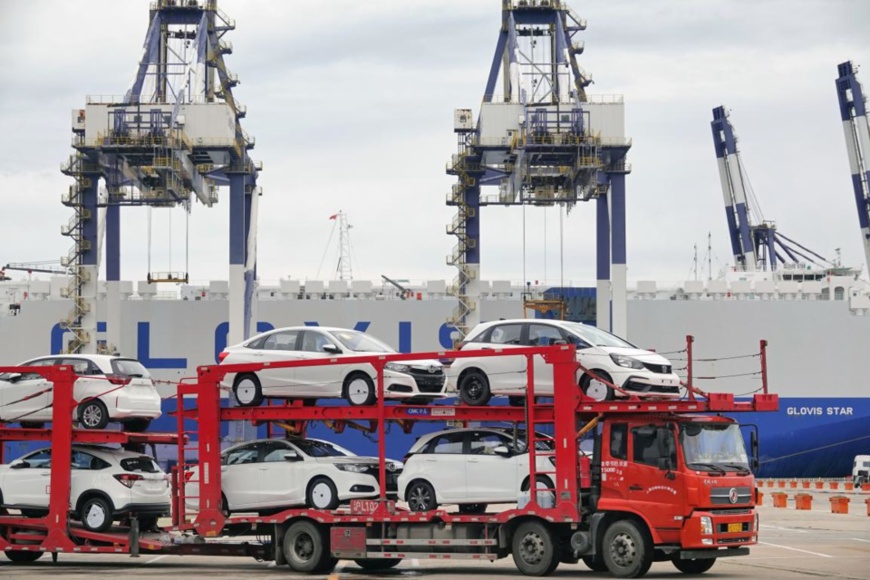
333, 216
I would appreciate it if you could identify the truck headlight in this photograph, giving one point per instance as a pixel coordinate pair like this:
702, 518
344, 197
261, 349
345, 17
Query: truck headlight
352, 467
626, 361
706, 526
397, 367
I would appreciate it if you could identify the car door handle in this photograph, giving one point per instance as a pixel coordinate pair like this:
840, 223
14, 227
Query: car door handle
45, 474
635, 487
474, 460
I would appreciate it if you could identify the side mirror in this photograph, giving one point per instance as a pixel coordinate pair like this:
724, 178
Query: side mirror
753, 445
292, 456
11, 377
330, 348
502, 450
19, 465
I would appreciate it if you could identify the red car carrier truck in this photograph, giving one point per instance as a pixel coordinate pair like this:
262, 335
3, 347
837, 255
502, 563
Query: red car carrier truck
666, 480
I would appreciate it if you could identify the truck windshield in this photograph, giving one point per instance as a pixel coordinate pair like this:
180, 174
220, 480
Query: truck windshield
719, 445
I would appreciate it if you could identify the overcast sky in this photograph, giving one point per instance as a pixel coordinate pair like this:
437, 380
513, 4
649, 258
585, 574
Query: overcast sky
351, 104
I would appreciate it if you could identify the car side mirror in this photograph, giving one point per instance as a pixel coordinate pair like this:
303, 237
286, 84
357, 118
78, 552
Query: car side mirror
292, 456
330, 348
19, 465
11, 377
502, 450
753, 445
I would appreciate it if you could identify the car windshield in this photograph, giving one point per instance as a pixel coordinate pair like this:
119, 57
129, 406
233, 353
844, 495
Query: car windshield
320, 448
359, 342
719, 444
128, 367
597, 336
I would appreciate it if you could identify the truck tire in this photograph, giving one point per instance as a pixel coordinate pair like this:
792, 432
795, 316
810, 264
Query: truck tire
534, 549
693, 567
22, 556
595, 563
627, 549
306, 550
378, 563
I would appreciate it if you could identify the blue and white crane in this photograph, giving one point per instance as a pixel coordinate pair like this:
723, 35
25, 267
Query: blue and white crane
853, 113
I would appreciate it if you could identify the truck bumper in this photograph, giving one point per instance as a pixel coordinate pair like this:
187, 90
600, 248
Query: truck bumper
716, 553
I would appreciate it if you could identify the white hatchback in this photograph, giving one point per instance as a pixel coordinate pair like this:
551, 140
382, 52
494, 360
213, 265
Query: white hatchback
416, 381
472, 468
109, 388
274, 474
634, 370
106, 484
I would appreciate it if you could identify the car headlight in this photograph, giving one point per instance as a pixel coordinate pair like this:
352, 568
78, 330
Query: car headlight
626, 361
706, 526
397, 367
352, 467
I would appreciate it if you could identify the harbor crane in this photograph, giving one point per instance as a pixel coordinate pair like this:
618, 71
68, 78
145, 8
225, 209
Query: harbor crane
173, 138
756, 245
853, 114
541, 141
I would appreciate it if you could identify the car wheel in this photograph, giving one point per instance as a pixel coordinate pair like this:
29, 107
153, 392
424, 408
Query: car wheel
693, 566
627, 550
93, 414
543, 480
321, 494
421, 496
306, 548
96, 514
137, 425
32, 425
225, 506
534, 549
472, 508
595, 389
595, 563
474, 388
247, 390
23, 557
517, 401
378, 563
359, 389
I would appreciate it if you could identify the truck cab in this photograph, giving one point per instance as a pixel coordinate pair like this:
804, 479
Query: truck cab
686, 478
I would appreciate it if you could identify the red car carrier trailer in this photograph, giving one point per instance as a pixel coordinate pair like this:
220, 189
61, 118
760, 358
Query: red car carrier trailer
647, 493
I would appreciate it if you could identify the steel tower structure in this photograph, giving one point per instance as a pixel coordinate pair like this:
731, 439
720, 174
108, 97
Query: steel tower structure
853, 113
756, 246
174, 136
540, 141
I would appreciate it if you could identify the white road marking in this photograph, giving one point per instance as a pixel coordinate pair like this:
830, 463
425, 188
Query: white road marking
783, 529
796, 549
155, 559
859, 540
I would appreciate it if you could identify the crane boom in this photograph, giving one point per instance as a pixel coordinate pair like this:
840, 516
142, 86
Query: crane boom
42, 268
853, 113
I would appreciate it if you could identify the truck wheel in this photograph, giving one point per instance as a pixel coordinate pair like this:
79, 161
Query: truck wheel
378, 563
23, 557
306, 549
595, 563
627, 550
93, 414
322, 494
594, 389
693, 566
534, 549
421, 497
247, 390
474, 388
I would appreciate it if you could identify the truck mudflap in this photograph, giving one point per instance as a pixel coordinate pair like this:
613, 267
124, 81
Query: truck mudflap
706, 554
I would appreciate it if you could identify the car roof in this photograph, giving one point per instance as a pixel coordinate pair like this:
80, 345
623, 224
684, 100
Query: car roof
485, 325
99, 450
92, 357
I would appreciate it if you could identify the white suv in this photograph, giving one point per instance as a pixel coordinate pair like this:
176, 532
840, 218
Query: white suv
106, 484
109, 388
636, 371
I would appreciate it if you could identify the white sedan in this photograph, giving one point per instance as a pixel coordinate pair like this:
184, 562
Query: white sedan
409, 380
472, 468
108, 388
634, 370
106, 484
274, 474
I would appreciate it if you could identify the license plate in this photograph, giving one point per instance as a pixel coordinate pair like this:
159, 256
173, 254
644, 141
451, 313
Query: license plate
733, 528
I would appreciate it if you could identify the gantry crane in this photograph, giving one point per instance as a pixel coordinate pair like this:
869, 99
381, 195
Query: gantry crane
175, 134
541, 141
853, 113
755, 245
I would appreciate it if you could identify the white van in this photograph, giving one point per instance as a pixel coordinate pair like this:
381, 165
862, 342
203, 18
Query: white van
861, 469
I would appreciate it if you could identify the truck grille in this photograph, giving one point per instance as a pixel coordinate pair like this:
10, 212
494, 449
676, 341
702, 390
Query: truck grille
722, 495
